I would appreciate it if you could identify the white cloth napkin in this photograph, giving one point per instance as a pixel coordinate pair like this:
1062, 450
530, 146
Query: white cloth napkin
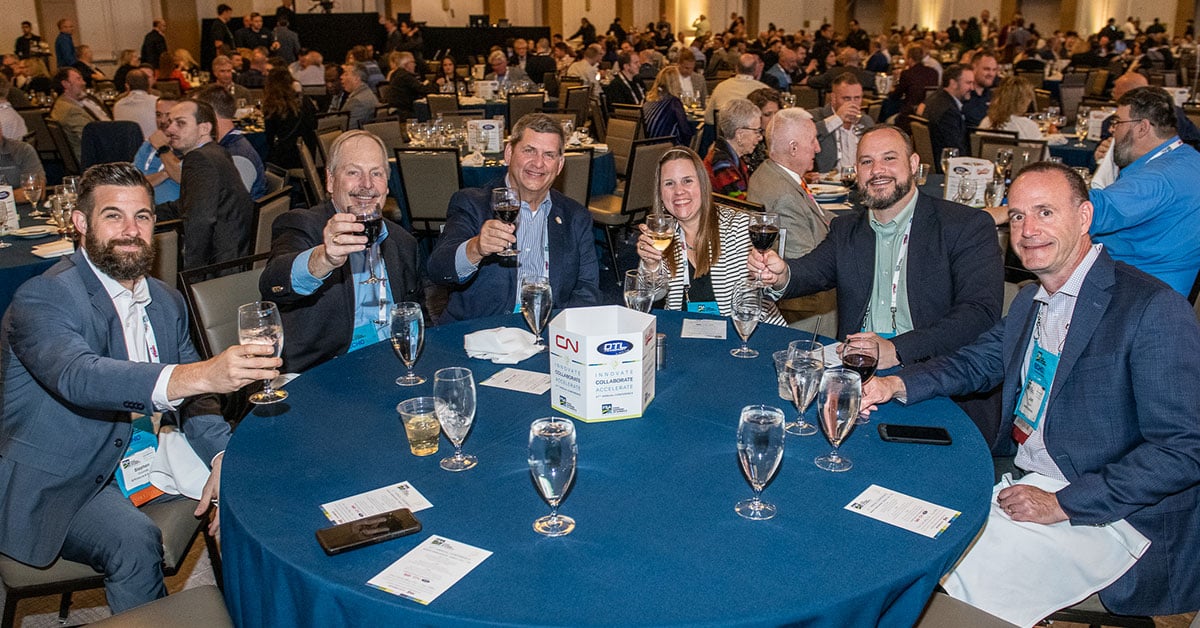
1022, 572
176, 469
57, 248
1056, 139
502, 345
600, 148
473, 160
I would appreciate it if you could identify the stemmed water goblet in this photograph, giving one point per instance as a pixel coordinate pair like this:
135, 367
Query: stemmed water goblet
1082, 121
805, 365
838, 402
259, 324
408, 338
454, 403
537, 300
746, 309
552, 456
966, 191
639, 289
34, 185
760, 449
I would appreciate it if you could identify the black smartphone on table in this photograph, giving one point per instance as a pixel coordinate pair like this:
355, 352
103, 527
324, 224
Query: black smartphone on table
367, 531
920, 434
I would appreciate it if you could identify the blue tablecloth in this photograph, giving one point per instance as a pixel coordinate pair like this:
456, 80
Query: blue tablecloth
1076, 156
18, 263
657, 540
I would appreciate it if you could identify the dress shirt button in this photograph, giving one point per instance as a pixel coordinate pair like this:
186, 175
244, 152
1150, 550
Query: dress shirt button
118, 443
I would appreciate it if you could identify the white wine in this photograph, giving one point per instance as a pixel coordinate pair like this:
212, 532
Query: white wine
661, 240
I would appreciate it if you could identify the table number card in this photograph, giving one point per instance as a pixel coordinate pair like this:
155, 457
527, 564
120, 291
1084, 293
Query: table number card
903, 511
429, 569
378, 501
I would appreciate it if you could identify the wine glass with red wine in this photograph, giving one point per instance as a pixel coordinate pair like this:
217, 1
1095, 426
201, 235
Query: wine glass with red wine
506, 206
861, 355
371, 217
764, 231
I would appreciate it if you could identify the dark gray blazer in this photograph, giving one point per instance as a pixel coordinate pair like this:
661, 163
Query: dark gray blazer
827, 159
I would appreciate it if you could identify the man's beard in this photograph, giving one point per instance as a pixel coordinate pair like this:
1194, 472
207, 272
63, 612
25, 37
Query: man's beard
1123, 151
120, 265
901, 188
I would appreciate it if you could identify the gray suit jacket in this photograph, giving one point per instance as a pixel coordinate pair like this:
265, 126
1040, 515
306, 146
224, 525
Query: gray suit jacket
806, 223
361, 104
68, 392
827, 159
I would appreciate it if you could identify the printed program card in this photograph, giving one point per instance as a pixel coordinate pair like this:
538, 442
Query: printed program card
519, 380
704, 328
429, 569
380, 500
903, 511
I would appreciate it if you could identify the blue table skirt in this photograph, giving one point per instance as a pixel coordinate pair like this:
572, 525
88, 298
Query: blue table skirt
657, 540
1076, 156
604, 179
18, 263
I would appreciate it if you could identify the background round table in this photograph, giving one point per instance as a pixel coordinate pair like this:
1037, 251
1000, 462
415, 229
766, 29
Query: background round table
17, 262
657, 540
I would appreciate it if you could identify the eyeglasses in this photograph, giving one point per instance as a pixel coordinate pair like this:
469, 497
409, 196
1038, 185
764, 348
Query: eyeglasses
1116, 121
757, 130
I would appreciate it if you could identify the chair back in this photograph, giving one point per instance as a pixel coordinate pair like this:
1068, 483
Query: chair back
1096, 80
565, 83
429, 177
577, 102
35, 122
806, 97
339, 120
874, 109
991, 143
1028, 152
442, 103
550, 82
1193, 114
65, 154
1042, 98
622, 133
560, 117
276, 177
108, 142
1074, 78
626, 112
325, 141
385, 92
575, 179
214, 302
737, 204
639, 179
266, 210
168, 255
387, 130
520, 105
1070, 96
168, 88
922, 141
316, 189
975, 136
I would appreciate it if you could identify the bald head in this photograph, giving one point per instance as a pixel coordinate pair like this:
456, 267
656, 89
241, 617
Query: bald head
787, 59
747, 64
792, 139
1126, 82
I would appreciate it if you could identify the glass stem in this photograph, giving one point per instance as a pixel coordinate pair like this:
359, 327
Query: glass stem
267, 387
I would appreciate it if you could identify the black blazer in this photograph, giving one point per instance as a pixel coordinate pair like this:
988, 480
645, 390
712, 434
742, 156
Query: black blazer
320, 326
216, 209
622, 92
947, 125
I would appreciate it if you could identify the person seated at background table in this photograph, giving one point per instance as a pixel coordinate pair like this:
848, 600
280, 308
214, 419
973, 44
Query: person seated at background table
309, 69
318, 261
839, 122
663, 114
706, 261
1010, 101
626, 87
168, 72
16, 160
943, 109
155, 159
247, 160
586, 70
919, 275
11, 122
128, 61
137, 105
1184, 127
72, 109
768, 101
741, 130
447, 74
1103, 445
88, 346
553, 235
222, 75
691, 83
256, 74
407, 87
365, 56
986, 69
504, 74
735, 87
909, 91
360, 101
287, 116
86, 65
1150, 216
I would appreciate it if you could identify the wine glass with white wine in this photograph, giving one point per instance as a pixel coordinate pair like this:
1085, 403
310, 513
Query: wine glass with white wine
552, 456
259, 324
760, 449
537, 301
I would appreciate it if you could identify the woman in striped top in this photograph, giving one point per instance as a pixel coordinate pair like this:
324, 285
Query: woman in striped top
662, 113
706, 260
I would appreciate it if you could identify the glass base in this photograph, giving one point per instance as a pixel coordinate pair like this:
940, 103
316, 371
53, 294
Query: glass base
4, 245
744, 352
412, 379
833, 462
755, 508
508, 253
264, 397
862, 420
458, 462
554, 525
800, 428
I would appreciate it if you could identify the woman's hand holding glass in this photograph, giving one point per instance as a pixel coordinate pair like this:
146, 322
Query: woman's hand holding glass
650, 256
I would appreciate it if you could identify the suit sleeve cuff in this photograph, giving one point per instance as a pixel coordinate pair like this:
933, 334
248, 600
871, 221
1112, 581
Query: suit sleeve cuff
462, 265
303, 282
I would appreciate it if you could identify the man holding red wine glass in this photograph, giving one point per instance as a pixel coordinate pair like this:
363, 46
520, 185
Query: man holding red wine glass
917, 275
337, 267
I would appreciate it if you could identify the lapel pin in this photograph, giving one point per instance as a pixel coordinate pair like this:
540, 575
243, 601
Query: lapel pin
558, 219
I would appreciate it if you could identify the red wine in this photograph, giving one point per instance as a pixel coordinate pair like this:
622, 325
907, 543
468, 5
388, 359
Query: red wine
508, 213
763, 236
864, 365
371, 229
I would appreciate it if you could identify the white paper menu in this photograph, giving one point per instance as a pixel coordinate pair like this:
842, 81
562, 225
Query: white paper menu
378, 501
429, 569
903, 511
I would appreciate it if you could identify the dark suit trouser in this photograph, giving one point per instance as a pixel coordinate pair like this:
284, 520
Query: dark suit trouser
113, 536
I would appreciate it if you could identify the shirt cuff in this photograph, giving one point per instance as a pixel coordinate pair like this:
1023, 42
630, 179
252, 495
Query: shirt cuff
462, 265
833, 122
159, 396
303, 282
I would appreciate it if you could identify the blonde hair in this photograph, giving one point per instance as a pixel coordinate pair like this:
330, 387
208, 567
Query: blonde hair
667, 82
1011, 98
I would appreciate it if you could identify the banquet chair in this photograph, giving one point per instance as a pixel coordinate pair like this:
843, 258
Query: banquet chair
276, 177
107, 142
429, 177
1070, 96
168, 255
922, 141
943, 611
976, 137
441, 103
169, 88
622, 133
314, 188
213, 298
737, 204
35, 122
387, 130
197, 607
1028, 152
806, 97
613, 213
575, 179
565, 83
1042, 97
1097, 80
521, 104
266, 210
174, 518
325, 141
333, 120
1093, 613
577, 101
65, 154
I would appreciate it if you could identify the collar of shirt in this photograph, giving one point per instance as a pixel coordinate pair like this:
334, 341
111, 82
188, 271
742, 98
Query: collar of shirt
1140, 162
139, 295
1075, 281
130, 306
897, 224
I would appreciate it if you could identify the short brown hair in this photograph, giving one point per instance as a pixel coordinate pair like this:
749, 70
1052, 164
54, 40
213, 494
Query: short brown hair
538, 123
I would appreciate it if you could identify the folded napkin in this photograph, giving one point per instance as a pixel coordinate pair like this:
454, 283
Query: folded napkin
1056, 139
57, 248
474, 160
502, 345
600, 148
176, 469
470, 100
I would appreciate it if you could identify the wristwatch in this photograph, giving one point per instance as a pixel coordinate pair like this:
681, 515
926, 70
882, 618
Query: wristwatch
165, 148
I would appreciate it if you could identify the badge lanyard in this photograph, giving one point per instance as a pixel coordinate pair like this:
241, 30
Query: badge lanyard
895, 280
702, 307
545, 260
1166, 149
1031, 406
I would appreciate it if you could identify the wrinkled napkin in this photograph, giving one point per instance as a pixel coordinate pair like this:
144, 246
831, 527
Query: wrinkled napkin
502, 345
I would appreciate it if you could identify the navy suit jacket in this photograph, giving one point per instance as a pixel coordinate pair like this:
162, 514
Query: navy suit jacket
574, 271
320, 326
68, 392
1121, 420
947, 125
955, 275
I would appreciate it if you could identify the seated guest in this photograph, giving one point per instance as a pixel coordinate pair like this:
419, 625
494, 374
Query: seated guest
706, 260
87, 67
245, 158
137, 105
407, 87
553, 234
663, 114
129, 60
363, 55
947, 278
84, 344
11, 122
185, 61
691, 83
626, 88
215, 207
155, 159
72, 109
735, 87
1109, 448
309, 69
18, 159
256, 75
839, 123
779, 75
288, 116
447, 75
943, 109
502, 73
741, 130
222, 75
318, 261
909, 91
168, 72
1010, 101
586, 69
360, 101
768, 102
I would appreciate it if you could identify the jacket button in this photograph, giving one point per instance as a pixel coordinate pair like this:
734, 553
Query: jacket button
118, 443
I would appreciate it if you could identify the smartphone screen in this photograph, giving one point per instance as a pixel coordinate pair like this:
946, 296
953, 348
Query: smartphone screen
924, 434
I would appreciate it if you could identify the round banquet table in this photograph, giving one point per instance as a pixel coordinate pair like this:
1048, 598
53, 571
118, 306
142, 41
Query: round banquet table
657, 541
17, 262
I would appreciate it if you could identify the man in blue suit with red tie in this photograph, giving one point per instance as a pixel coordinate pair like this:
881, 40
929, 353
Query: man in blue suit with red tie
553, 234
1101, 385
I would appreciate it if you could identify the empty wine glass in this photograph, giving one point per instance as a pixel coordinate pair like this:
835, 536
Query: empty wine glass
537, 300
552, 455
861, 355
764, 230
1082, 121
746, 309
454, 402
839, 398
947, 155
760, 449
259, 324
966, 191
639, 290
993, 193
408, 338
804, 368
507, 207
